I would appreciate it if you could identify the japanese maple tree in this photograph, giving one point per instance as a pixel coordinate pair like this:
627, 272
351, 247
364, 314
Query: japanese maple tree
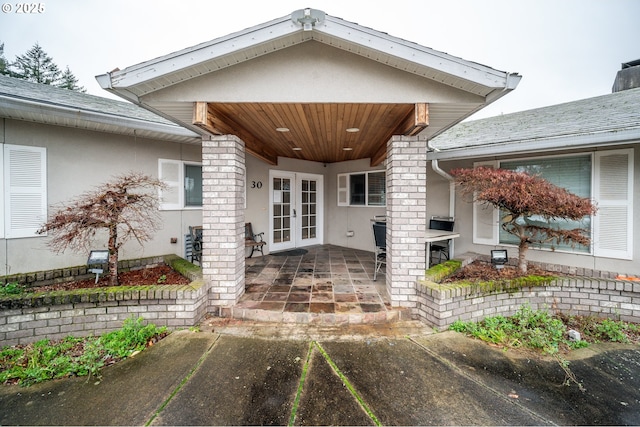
126, 208
528, 204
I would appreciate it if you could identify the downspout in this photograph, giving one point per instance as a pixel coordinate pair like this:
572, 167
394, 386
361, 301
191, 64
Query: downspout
452, 186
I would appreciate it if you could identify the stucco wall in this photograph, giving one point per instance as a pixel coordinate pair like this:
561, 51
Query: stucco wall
78, 161
437, 188
337, 221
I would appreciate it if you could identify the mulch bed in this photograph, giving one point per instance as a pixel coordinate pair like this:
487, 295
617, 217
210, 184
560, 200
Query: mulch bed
160, 275
481, 271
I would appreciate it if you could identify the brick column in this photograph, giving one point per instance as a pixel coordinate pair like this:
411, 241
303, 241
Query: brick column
223, 181
406, 217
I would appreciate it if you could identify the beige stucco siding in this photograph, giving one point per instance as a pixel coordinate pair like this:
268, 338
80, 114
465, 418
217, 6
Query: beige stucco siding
312, 72
464, 224
78, 161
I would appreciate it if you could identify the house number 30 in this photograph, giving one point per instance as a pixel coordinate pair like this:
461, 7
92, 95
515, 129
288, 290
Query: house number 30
256, 184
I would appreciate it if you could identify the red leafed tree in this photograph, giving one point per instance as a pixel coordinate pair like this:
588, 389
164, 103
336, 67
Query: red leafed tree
125, 207
528, 205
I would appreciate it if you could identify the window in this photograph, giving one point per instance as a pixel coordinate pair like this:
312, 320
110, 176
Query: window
24, 193
604, 176
362, 189
184, 184
572, 173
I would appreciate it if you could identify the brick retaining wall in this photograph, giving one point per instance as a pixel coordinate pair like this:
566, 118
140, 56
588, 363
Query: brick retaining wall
440, 305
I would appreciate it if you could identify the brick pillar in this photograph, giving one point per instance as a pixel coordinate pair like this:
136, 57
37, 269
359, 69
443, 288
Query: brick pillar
223, 181
406, 217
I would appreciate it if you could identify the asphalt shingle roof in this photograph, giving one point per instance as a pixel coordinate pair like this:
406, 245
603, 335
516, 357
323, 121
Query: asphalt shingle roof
55, 96
607, 113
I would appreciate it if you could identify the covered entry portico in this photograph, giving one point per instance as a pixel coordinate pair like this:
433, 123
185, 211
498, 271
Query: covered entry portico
311, 93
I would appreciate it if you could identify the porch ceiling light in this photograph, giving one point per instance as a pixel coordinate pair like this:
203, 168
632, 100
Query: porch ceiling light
347, 149
353, 130
297, 148
282, 129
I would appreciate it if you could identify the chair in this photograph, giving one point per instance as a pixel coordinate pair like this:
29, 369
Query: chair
194, 243
442, 247
380, 251
253, 241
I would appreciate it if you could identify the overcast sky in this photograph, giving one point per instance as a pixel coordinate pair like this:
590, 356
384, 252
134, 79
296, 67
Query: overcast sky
564, 49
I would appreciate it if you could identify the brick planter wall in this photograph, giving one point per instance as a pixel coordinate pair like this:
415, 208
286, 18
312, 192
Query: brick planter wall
56, 315
440, 306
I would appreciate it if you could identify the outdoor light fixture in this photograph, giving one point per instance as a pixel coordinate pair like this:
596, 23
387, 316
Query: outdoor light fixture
97, 258
353, 130
499, 258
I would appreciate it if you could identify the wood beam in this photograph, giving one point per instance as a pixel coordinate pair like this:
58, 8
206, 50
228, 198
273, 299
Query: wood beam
416, 121
203, 119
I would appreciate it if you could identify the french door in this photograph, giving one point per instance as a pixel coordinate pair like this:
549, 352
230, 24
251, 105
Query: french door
295, 210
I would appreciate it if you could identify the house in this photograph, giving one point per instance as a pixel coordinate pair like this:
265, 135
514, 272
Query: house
57, 144
311, 125
588, 146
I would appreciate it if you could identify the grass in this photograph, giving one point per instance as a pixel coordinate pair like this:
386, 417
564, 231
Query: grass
542, 331
45, 360
12, 288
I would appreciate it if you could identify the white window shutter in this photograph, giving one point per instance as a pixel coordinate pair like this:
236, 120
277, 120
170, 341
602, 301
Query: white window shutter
2, 190
485, 218
25, 180
613, 193
170, 172
343, 189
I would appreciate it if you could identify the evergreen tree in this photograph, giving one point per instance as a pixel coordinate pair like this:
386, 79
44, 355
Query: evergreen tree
4, 64
36, 66
69, 81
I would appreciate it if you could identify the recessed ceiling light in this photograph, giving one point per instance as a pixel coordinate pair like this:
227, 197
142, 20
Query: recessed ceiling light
297, 148
282, 129
347, 149
353, 130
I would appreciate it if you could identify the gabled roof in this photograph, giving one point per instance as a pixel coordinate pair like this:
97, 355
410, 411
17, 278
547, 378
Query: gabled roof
284, 32
40, 103
311, 73
611, 119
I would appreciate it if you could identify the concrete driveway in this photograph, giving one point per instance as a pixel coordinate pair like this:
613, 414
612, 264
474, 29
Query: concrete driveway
395, 374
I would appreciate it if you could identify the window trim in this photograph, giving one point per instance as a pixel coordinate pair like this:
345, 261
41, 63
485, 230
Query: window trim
596, 181
344, 192
180, 204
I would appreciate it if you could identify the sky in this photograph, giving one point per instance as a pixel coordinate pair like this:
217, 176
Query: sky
565, 50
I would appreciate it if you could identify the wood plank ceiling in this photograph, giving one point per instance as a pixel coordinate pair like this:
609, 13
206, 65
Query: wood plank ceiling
317, 132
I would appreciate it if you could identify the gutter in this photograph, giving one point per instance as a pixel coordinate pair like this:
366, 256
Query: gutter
87, 116
561, 143
452, 186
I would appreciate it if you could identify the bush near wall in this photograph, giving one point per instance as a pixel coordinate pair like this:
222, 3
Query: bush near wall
602, 295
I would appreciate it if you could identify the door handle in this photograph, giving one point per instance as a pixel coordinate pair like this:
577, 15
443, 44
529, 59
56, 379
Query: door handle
294, 213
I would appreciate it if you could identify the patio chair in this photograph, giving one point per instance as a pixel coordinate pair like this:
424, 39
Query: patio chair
253, 241
442, 247
195, 235
380, 250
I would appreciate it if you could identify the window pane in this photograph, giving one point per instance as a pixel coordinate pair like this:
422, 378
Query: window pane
571, 173
193, 185
376, 188
357, 189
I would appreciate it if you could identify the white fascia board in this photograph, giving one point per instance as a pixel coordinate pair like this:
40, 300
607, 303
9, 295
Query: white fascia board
204, 52
86, 116
571, 142
413, 52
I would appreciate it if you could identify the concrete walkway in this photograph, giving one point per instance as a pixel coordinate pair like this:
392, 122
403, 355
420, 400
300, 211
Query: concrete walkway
396, 374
